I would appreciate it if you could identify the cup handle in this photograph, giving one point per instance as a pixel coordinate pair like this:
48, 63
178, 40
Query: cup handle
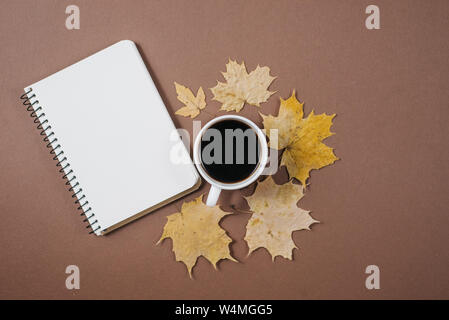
212, 198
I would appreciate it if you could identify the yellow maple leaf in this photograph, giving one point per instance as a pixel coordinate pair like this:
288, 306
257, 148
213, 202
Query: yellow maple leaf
301, 137
241, 87
275, 217
195, 232
192, 104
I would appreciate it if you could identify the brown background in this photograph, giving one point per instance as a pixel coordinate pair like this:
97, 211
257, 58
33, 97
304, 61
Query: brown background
385, 203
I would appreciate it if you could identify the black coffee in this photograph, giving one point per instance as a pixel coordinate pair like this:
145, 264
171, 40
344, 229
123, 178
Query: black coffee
229, 151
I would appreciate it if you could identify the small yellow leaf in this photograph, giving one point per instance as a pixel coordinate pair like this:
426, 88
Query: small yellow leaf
195, 232
288, 120
275, 217
241, 87
301, 138
192, 104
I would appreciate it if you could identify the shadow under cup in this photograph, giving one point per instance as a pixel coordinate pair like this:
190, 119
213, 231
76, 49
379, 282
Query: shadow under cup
230, 151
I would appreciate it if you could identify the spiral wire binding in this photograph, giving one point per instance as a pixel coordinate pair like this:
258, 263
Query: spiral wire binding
49, 138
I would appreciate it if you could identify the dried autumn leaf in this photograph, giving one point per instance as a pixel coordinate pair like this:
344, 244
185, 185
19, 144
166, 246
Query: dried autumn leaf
287, 122
192, 104
195, 232
241, 87
275, 217
301, 137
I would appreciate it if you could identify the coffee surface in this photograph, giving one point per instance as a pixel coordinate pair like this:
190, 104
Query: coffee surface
230, 151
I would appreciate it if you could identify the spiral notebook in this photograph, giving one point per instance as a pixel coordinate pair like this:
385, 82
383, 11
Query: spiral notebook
111, 135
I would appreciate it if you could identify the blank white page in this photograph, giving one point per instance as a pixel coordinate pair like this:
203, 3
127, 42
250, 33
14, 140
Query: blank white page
116, 133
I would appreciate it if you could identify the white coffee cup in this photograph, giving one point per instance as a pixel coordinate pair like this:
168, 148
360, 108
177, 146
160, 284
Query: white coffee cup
217, 186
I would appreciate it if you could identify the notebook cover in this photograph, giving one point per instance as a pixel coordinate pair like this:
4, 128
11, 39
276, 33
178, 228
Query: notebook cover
115, 132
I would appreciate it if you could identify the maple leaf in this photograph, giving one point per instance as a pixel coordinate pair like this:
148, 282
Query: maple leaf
301, 137
241, 87
192, 104
275, 216
195, 232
